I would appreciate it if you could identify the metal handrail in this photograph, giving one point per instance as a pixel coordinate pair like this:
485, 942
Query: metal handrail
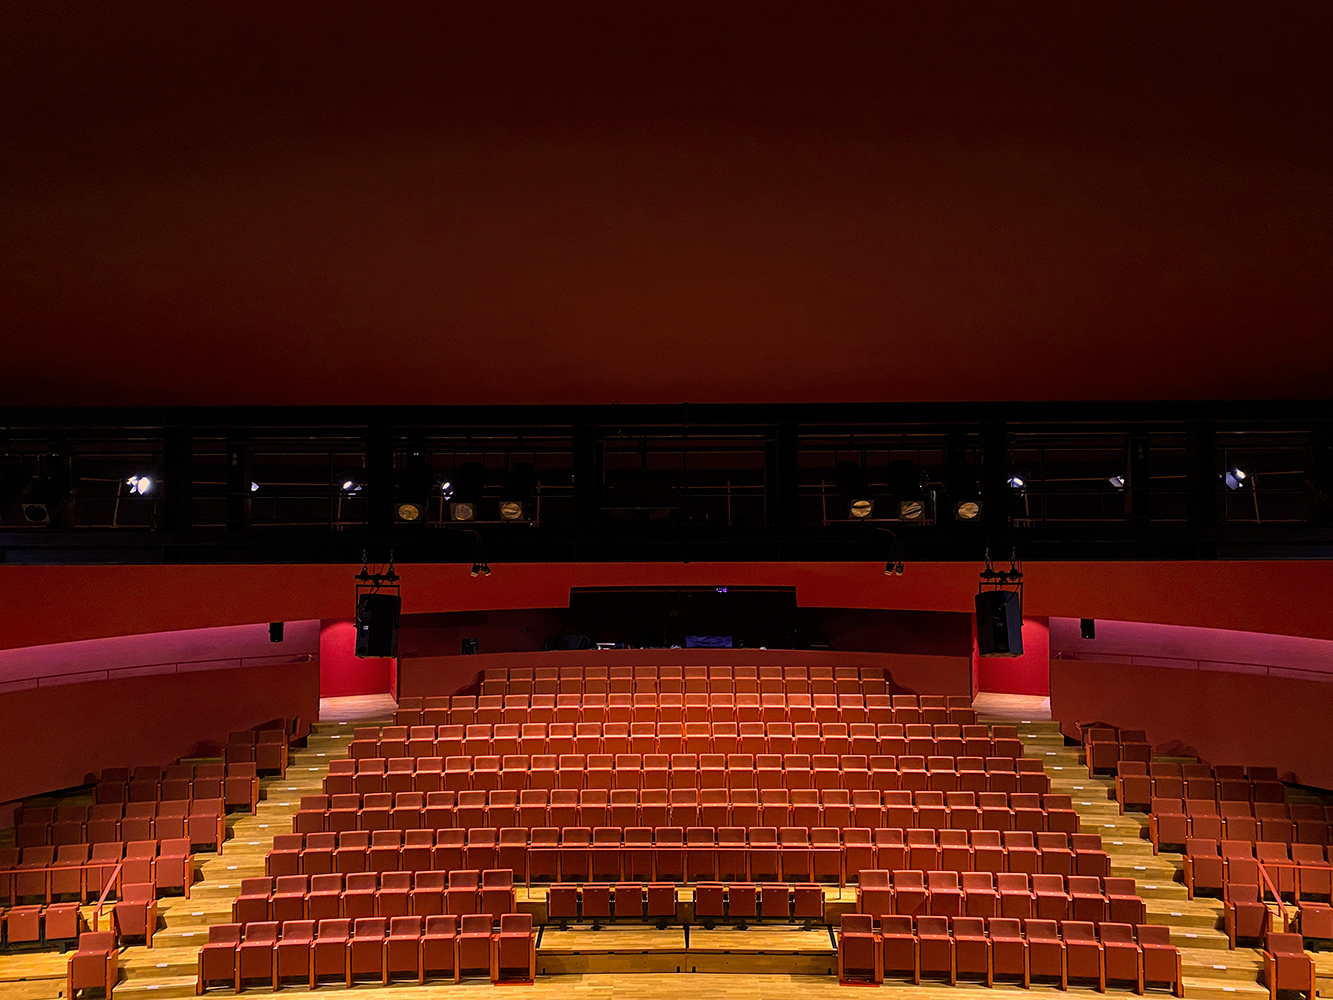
115, 877
1286, 920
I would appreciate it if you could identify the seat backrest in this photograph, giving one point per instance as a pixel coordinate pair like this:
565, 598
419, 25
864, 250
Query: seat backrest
978, 880
298, 930
476, 923
1078, 930
262, 932
1285, 944
874, 878
1004, 927
362, 881
1119, 933
897, 923
1153, 934
516, 923
464, 878
910, 879
1119, 885
369, 927
933, 926
857, 923
503, 878
1041, 930
335, 927
442, 925
217, 934
942, 880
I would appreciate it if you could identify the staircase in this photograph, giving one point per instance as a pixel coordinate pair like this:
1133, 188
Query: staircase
1212, 971
170, 967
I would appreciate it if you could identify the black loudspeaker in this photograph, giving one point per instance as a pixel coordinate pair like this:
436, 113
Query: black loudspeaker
470, 647
377, 624
999, 623
275, 631
1087, 627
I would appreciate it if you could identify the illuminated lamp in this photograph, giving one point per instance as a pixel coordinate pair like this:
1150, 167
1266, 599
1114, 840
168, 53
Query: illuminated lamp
967, 510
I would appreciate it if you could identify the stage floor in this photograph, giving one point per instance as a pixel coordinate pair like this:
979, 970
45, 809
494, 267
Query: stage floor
773, 949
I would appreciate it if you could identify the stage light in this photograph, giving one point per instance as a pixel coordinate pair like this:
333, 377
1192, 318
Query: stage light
447, 488
1235, 478
408, 512
49, 492
480, 569
463, 512
516, 494
851, 482
469, 483
1117, 481
967, 510
892, 568
911, 510
139, 484
721, 590
1017, 482
351, 487
254, 487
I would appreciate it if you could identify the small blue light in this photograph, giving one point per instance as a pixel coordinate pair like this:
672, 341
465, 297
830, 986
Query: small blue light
721, 590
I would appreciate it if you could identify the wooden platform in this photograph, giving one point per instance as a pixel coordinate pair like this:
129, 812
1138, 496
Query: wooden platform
770, 950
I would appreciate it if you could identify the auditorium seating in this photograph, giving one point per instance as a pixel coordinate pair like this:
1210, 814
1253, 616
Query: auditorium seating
403, 812
381, 949
93, 966
203, 820
825, 854
57, 925
988, 948
1010, 894
704, 736
457, 891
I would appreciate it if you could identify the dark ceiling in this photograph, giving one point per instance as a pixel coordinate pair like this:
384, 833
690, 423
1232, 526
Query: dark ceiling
425, 203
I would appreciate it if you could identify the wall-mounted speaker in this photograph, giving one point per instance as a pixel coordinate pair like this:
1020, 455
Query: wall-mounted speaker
1087, 628
377, 624
999, 623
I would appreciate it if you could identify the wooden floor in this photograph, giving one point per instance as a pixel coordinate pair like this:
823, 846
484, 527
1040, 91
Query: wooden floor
357, 708
1012, 707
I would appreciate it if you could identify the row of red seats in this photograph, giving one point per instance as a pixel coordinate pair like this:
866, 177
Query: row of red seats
657, 901
792, 673
1007, 894
950, 948
688, 854
375, 894
685, 807
1137, 783
532, 738
56, 926
237, 784
1174, 821
83, 870
312, 952
202, 820
670, 707
265, 748
735, 771
1105, 746
1298, 870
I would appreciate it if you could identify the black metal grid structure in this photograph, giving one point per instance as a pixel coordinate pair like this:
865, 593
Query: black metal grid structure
717, 482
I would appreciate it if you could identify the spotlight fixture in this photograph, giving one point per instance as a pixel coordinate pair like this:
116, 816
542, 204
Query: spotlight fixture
254, 487
911, 510
852, 485
517, 492
409, 512
446, 487
350, 486
46, 495
413, 486
140, 484
1234, 478
1117, 481
468, 486
480, 569
892, 568
967, 510
1017, 482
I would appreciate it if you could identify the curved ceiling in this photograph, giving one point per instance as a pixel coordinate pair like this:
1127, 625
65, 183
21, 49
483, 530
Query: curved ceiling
321, 202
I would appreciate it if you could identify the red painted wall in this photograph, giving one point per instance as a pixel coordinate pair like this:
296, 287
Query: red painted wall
1026, 674
909, 674
58, 737
341, 673
61, 603
1225, 718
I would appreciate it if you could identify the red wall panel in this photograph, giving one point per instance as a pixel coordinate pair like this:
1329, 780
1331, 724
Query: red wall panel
341, 673
62, 603
1225, 718
1026, 674
57, 737
910, 673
